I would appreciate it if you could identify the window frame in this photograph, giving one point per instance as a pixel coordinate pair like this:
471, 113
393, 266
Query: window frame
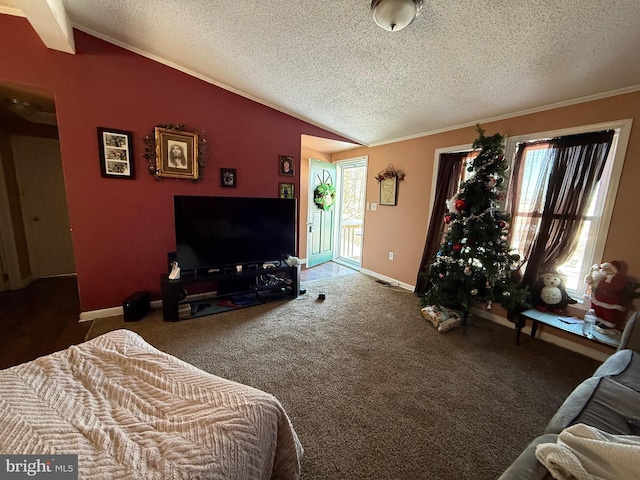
623, 131
466, 148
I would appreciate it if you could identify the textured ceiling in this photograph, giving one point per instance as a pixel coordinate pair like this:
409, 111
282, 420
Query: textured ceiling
328, 62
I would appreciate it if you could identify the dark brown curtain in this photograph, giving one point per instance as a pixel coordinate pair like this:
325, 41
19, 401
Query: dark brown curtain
576, 163
447, 185
526, 223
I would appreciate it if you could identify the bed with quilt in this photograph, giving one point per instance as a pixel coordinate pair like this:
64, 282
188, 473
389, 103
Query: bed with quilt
131, 411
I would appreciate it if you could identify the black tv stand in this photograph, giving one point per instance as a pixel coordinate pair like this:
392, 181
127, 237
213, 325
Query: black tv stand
196, 294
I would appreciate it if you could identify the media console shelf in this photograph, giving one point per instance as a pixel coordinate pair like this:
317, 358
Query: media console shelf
196, 295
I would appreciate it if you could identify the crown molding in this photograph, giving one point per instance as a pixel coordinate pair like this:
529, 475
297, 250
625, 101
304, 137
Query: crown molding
566, 103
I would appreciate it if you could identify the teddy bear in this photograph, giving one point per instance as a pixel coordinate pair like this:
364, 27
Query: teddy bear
607, 286
548, 293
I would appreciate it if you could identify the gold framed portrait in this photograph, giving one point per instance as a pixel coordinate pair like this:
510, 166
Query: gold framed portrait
176, 153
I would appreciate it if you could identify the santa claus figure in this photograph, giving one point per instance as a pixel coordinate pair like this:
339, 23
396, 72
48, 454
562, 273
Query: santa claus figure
607, 286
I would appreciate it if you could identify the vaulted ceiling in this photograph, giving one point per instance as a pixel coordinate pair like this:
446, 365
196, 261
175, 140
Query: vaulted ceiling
328, 63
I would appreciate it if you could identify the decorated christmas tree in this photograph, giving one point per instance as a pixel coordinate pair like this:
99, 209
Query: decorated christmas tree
474, 263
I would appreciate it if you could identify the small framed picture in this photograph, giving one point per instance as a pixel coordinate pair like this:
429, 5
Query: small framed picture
228, 177
389, 191
285, 190
176, 153
116, 153
286, 165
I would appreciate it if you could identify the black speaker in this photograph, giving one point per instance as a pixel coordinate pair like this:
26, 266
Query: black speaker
136, 306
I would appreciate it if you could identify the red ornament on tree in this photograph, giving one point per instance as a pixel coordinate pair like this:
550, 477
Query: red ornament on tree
457, 247
460, 205
447, 218
502, 224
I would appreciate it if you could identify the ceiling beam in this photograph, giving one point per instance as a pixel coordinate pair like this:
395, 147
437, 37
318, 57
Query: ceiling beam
51, 22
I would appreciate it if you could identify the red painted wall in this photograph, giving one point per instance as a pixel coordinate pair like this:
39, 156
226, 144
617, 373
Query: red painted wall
123, 229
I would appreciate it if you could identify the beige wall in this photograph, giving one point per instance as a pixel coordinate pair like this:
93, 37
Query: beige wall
402, 228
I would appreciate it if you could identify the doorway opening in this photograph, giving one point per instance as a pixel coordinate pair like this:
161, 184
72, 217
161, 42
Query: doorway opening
351, 187
35, 238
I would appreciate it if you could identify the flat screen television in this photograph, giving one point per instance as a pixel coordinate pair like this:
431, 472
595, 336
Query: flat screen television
218, 232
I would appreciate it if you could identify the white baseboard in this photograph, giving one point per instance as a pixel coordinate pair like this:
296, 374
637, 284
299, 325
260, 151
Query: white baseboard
22, 283
111, 312
392, 281
102, 313
547, 337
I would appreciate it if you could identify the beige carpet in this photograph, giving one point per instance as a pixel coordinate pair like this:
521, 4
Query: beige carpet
372, 389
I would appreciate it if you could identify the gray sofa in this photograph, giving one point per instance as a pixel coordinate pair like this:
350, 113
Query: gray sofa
605, 401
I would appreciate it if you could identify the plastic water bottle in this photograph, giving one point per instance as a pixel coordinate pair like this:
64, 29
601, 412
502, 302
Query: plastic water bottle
588, 323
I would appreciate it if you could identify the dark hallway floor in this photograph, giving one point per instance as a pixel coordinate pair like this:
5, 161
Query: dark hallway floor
39, 319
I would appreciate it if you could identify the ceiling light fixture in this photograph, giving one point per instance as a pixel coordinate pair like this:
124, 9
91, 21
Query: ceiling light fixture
394, 15
30, 111
21, 107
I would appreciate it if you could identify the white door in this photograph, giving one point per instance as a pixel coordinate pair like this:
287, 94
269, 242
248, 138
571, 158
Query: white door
44, 205
320, 222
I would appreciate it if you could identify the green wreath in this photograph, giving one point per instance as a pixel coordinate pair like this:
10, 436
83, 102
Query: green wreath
324, 196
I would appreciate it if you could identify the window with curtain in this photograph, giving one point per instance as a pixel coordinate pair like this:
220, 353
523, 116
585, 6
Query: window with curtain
558, 200
452, 170
463, 175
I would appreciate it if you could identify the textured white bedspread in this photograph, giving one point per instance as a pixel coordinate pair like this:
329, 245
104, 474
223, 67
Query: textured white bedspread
131, 411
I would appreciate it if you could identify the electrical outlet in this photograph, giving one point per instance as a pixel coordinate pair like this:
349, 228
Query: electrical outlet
390, 255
